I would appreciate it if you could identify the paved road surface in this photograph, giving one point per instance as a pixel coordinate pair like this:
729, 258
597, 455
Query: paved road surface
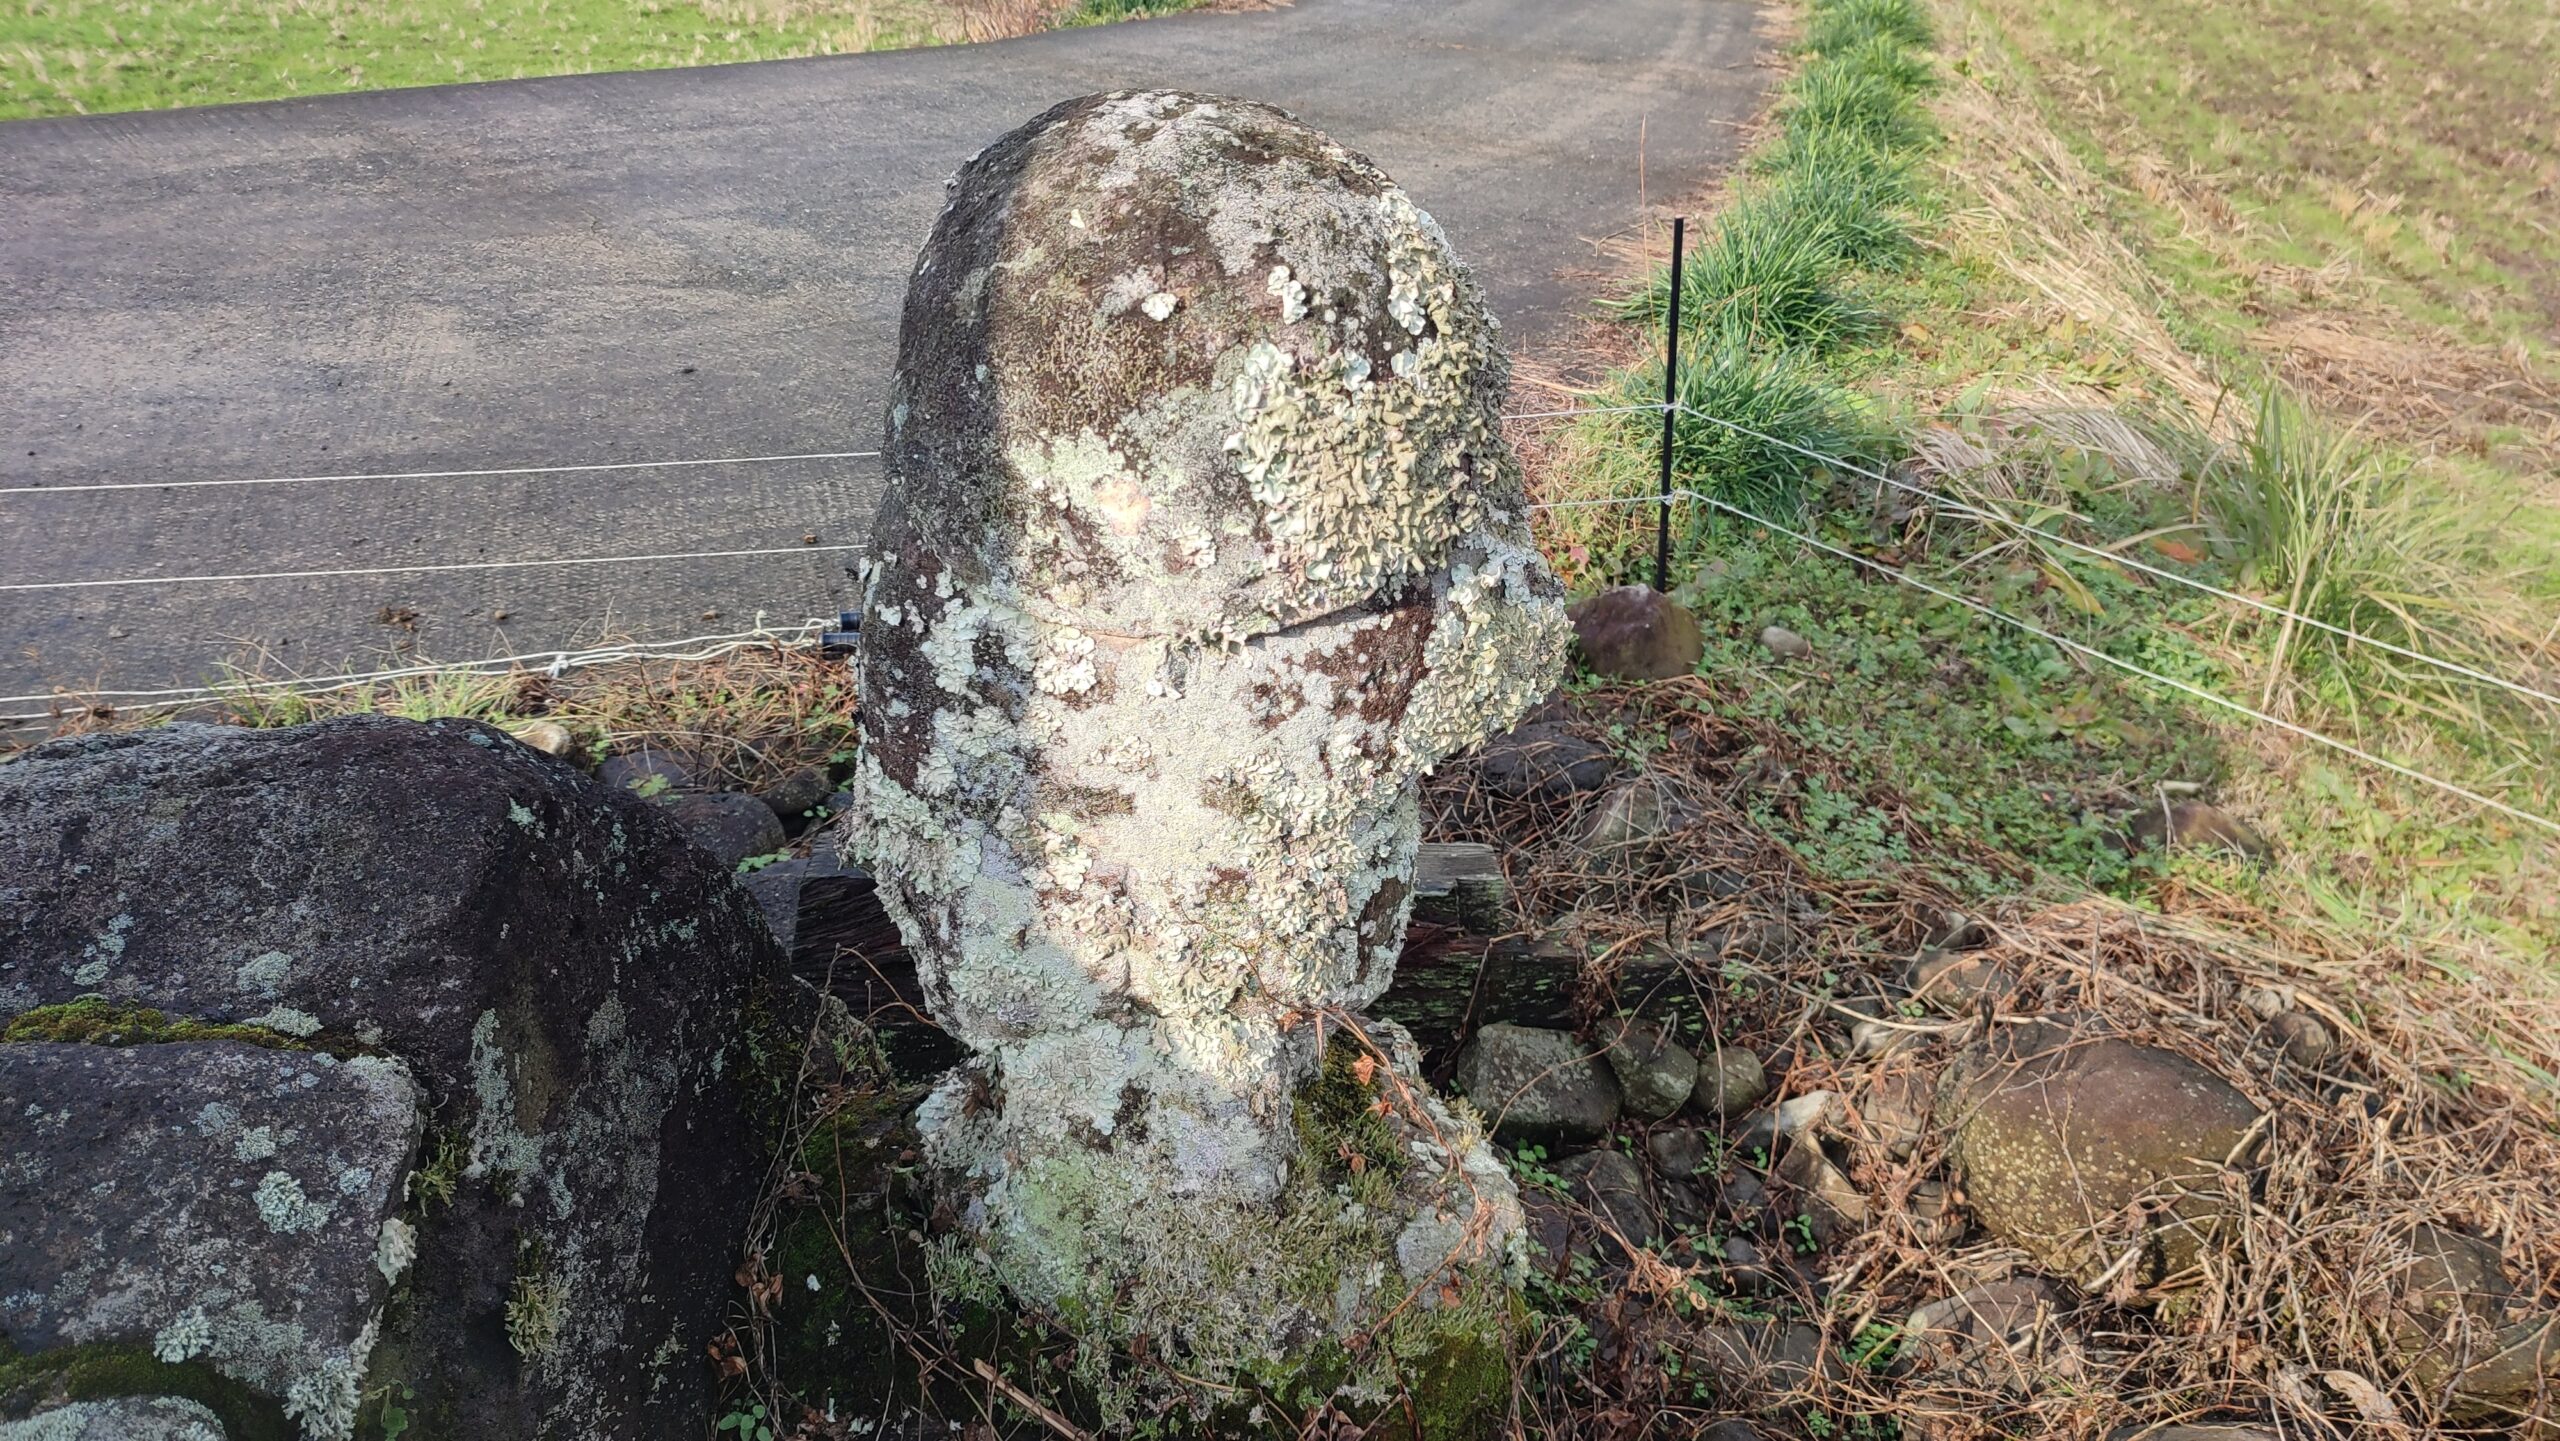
680, 263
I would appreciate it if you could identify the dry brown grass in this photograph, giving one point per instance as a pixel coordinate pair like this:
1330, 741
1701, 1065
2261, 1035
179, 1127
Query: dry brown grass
2440, 1105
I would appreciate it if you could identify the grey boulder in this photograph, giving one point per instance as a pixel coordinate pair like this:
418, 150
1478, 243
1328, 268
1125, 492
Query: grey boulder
1537, 1085
209, 1201
565, 978
1655, 1073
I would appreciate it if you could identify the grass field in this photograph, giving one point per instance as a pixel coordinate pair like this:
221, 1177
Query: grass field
2265, 297
61, 57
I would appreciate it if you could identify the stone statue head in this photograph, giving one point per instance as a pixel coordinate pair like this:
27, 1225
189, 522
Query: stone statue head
1201, 545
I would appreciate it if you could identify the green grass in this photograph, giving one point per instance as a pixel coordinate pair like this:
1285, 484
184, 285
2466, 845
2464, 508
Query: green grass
61, 57
1770, 273
1851, 301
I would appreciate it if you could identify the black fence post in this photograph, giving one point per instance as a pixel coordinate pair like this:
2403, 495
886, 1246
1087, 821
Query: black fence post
1670, 398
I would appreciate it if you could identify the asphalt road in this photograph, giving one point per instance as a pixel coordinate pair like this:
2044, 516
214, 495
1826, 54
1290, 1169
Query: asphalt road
679, 263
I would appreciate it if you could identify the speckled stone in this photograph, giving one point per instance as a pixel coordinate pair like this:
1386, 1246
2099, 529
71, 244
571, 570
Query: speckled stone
1200, 546
2058, 1137
212, 1201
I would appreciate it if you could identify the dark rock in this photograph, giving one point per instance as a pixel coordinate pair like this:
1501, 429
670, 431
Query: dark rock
120, 1418
1634, 632
1543, 760
2305, 1039
727, 826
1612, 1185
1730, 1430
564, 976
650, 772
209, 1201
2057, 1139
1678, 1152
1731, 1081
1549, 1224
1784, 643
822, 884
1655, 1073
1684, 1204
1744, 1195
1460, 883
1537, 1085
1747, 1267
2194, 825
795, 795
2005, 1335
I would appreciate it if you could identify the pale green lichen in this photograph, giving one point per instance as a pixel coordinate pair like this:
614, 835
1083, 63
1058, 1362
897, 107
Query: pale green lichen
288, 1021
185, 1338
396, 1248
498, 1144
263, 974
284, 1207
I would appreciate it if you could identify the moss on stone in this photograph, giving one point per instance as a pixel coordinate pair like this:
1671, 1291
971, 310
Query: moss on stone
1346, 1139
96, 1021
98, 1372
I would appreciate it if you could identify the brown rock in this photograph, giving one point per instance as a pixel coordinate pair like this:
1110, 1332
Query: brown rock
1636, 633
2305, 1039
2100, 1158
1831, 1201
2194, 825
2005, 1334
1954, 981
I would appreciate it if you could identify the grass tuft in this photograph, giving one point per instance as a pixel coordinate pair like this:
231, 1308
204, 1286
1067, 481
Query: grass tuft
1783, 396
1770, 274
1844, 23
1850, 94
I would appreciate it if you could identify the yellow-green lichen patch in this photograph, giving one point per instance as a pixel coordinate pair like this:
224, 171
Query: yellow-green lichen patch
95, 1021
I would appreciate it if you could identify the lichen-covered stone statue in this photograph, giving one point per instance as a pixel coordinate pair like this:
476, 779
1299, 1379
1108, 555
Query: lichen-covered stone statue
1201, 545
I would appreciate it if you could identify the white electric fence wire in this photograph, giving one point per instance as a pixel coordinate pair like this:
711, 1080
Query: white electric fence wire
551, 662
435, 474
2115, 558
599, 465
2199, 692
425, 569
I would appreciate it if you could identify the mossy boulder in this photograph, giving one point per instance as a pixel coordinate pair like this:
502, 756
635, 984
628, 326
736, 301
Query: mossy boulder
565, 979
2099, 1157
1634, 632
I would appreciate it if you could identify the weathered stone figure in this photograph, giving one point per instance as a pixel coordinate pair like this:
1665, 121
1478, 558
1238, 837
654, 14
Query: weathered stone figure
1200, 547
